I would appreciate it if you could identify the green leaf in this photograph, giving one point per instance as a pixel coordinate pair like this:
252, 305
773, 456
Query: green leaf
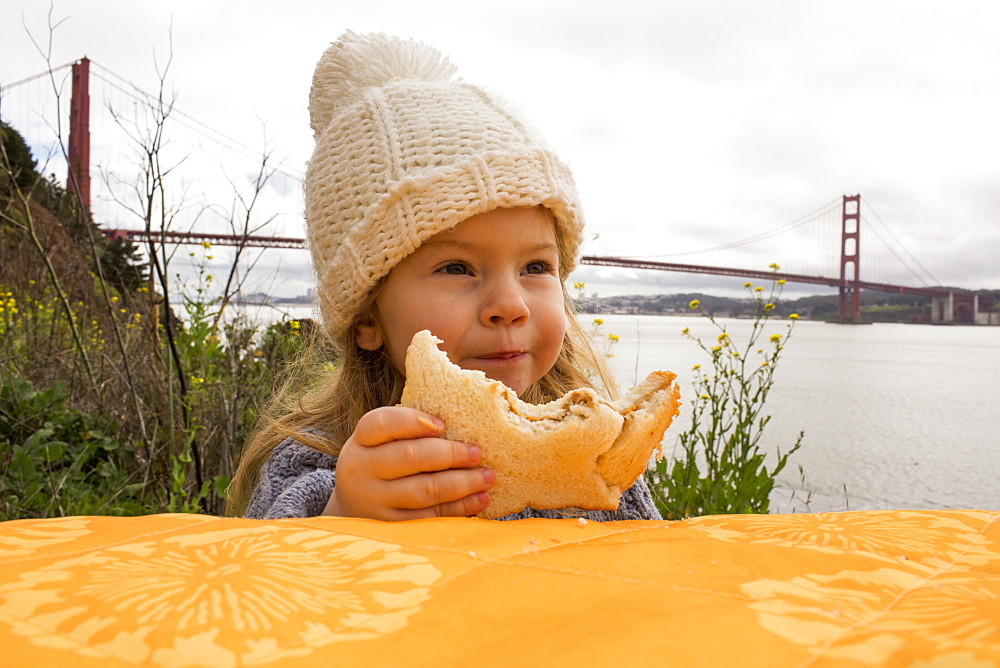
38, 439
22, 466
54, 451
221, 483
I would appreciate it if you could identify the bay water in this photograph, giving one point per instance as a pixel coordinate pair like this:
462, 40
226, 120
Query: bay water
894, 415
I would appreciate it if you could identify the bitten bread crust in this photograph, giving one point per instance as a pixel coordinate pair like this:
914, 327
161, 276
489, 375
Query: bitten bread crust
578, 451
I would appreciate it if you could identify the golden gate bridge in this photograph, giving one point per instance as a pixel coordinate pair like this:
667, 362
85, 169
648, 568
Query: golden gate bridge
948, 304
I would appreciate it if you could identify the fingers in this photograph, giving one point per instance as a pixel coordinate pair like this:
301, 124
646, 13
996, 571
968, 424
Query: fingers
396, 466
464, 507
467, 507
470, 505
426, 455
452, 493
395, 423
447, 490
408, 444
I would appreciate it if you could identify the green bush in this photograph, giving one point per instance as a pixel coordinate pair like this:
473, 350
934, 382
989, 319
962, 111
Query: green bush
56, 460
124, 392
721, 468
18, 157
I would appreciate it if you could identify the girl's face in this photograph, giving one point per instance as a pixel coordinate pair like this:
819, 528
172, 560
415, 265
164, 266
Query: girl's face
489, 288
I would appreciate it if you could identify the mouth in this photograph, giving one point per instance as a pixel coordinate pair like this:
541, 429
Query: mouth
502, 355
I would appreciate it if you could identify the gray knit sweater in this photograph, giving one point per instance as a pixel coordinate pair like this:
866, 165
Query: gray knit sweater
297, 481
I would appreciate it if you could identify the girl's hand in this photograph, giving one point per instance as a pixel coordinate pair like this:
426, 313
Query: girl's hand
395, 466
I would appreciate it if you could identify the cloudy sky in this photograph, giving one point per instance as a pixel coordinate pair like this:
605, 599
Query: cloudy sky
689, 125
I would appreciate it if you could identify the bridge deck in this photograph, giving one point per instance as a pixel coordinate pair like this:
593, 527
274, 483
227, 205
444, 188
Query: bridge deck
293, 242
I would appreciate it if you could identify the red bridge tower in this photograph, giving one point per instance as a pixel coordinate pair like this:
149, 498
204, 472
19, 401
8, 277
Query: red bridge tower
78, 178
849, 304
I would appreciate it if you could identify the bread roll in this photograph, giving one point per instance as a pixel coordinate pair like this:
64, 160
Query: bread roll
578, 451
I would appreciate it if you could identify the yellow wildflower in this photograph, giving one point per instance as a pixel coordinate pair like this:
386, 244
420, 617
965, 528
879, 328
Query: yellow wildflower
694, 304
769, 307
776, 338
781, 281
205, 244
758, 289
774, 266
598, 322
613, 337
794, 316
723, 337
748, 284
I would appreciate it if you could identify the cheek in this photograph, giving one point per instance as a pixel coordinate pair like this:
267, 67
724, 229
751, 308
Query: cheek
560, 325
555, 333
403, 320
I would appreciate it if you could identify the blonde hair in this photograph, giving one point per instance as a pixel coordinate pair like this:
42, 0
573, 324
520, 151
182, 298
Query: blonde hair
335, 400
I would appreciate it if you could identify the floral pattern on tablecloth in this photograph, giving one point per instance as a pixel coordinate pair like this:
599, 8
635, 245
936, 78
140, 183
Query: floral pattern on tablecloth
228, 597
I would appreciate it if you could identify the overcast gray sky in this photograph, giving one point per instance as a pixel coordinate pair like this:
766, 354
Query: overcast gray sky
688, 124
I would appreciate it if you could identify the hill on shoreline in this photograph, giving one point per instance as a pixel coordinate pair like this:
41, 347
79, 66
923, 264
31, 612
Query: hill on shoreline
875, 306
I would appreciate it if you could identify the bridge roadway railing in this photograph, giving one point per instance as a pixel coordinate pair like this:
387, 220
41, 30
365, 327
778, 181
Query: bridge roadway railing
141, 236
758, 274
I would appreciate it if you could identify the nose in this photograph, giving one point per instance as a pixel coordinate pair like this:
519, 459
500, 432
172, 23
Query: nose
504, 302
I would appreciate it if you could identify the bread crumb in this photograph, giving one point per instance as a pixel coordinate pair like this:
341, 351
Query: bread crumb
581, 521
472, 554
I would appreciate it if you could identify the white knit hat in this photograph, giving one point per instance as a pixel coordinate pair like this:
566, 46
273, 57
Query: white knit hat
404, 152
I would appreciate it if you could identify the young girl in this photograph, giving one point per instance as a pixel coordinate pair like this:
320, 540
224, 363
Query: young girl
429, 205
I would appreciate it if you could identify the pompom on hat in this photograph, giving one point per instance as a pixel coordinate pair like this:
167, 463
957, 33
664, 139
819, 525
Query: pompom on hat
403, 152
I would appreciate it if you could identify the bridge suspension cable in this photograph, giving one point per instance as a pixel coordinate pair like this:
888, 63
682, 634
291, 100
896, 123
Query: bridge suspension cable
129, 89
33, 77
781, 229
899, 244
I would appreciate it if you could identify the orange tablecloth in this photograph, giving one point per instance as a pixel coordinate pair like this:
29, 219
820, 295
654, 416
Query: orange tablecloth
906, 588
